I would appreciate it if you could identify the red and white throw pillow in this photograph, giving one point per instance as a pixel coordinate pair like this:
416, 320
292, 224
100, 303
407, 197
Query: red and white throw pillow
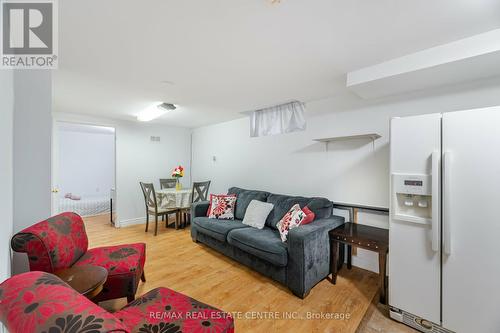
221, 206
292, 219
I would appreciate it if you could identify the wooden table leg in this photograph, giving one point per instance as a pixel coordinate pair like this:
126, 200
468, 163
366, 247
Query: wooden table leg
349, 256
382, 256
334, 258
341, 256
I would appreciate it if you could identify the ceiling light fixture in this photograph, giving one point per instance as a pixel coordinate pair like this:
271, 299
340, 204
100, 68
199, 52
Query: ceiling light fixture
156, 110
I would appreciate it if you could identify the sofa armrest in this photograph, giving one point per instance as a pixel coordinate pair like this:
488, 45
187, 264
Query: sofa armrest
309, 254
199, 208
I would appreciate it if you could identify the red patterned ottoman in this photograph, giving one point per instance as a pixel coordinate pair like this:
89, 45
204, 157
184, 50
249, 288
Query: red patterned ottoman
164, 310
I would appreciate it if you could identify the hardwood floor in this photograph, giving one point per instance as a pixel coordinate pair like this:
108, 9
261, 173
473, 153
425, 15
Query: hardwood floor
174, 261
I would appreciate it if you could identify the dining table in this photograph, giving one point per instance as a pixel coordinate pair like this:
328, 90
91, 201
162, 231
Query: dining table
169, 198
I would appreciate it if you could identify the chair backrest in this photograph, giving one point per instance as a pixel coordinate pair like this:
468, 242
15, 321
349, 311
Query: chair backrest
41, 302
52, 244
148, 190
200, 191
168, 183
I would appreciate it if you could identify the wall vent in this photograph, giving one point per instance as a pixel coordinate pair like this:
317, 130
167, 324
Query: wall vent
155, 138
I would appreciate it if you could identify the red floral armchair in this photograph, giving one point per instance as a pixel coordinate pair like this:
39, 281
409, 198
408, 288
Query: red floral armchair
41, 302
61, 242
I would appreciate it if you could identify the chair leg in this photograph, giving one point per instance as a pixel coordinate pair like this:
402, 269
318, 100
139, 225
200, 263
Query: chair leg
143, 277
177, 220
130, 298
147, 221
156, 225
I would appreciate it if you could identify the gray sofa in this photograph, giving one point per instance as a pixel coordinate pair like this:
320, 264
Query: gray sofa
299, 264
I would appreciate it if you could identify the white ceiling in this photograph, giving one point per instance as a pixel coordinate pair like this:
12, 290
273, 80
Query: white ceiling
218, 58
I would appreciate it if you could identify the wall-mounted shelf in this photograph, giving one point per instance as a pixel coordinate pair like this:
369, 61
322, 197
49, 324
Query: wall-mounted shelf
370, 136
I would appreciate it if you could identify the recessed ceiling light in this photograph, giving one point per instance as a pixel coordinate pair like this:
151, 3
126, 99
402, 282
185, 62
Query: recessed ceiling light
156, 110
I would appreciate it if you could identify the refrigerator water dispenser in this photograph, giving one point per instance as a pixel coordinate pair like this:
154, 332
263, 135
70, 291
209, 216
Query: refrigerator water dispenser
412, 197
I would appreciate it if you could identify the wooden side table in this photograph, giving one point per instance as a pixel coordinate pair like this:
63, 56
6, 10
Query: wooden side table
365, 237
88, 280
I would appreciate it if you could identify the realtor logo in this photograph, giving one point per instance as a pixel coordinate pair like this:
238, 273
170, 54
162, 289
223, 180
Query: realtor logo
29, 34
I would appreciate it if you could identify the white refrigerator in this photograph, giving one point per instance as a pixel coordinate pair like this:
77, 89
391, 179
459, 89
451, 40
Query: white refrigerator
444, 227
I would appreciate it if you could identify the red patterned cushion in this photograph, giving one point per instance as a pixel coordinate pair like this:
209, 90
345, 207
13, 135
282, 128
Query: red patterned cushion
125, 264
41, 302
55, 243
292, 219
164, 310
222, 206
310, 216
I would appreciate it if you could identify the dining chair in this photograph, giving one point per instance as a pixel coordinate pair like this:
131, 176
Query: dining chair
199, 192
152, 208
168, 183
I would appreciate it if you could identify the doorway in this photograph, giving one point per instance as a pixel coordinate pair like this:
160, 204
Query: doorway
84, 168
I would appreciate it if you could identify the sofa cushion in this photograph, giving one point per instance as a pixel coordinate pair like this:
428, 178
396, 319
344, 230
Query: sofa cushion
124, 263
217, 229
282, 204
292, 219
310, 216
256, 214
263, 243
321, 207
221, 207
244, 199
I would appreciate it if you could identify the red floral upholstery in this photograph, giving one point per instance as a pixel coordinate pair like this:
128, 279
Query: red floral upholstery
55, 243
41, 302
164, 310
61, 242
124, 264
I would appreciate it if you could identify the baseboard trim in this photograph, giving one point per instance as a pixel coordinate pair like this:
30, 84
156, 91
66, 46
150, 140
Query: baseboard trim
129, 222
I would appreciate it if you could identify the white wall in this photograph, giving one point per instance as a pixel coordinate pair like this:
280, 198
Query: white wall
140, 159
352, 172
32, 151
6, 170
86, 163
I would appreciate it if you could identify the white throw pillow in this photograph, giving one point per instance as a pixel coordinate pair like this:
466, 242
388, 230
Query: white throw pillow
256, 214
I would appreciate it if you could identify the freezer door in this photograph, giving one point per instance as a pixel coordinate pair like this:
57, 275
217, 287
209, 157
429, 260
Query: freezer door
414, 244
471, 223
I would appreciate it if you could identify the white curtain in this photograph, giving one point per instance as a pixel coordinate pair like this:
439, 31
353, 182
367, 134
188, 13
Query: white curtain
284, 118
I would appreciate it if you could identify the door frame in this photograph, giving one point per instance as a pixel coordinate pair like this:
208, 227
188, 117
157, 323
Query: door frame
55, 158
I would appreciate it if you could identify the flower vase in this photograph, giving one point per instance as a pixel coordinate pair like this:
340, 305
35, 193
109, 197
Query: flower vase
178, 185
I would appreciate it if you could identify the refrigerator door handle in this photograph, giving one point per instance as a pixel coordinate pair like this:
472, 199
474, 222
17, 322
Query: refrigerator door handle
447, 161
435, 200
